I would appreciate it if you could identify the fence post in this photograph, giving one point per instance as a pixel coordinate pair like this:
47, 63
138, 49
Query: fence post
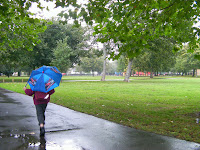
12, 80
22, 80
3, 80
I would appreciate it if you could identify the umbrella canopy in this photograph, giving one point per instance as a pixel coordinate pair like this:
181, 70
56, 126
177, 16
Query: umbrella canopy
44, 79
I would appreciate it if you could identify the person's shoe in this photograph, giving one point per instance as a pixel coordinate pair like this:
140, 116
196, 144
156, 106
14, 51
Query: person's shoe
42, 143
42, 131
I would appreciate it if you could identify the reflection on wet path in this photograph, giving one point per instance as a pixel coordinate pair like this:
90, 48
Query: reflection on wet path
18, 141
14, 125
31, 141
19, 127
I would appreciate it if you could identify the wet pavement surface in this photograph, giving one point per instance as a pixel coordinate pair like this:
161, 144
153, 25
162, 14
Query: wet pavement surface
71, 130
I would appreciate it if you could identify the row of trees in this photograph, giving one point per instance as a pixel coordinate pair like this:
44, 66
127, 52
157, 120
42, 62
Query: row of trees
162, 58
60, 45
65, 46
134, 27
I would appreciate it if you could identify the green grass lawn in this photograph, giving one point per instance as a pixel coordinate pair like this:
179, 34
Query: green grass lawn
163, 105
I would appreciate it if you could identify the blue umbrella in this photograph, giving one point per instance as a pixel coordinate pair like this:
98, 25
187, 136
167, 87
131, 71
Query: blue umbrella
44, 79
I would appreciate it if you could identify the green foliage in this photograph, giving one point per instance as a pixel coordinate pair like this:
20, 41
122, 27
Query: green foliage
62, 54
18, 28
93, 62
133, 23
186, 61
159, 56
42, 52
6, 68
19, 33
111, 68
68, 51
122, 63
11, 60
48, 49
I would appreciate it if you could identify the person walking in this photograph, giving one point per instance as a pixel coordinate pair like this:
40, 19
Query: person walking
40, 100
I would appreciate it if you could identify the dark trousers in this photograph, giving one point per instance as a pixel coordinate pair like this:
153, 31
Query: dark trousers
40, 110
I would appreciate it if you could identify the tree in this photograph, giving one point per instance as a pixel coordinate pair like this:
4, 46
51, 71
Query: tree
103, 76
42, 53
62, 54
18, 28
112, 67
11, 60
93, 62
45, 52
187, 61
131, 24
6, 64
106, 49
159, 56
122, 63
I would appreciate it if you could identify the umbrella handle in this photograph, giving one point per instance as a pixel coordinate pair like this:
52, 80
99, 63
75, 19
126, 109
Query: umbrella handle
26, 84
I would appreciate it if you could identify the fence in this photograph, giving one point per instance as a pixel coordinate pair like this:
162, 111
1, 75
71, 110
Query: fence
13, 80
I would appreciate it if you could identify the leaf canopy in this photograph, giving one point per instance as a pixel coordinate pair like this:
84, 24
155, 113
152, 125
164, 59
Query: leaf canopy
18, 28
132, 23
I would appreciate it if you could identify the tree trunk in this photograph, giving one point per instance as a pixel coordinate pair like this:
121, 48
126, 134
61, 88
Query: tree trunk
92, 73
128, 71
193, 72
104, 65
151, 75
196, 73
19, 73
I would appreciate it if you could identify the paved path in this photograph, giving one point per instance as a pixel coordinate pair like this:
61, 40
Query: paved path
71, 130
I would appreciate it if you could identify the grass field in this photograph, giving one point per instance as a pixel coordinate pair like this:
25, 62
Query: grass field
163, 105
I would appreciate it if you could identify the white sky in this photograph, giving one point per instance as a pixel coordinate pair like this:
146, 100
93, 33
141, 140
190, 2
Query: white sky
53, 11
44, 13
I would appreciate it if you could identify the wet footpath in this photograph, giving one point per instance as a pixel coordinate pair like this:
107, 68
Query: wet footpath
71, 130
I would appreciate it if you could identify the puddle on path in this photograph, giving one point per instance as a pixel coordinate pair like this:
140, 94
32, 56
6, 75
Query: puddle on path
18, 141
11, 140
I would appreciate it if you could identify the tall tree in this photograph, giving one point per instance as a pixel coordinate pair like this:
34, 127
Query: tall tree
42, 53
159, 56
103, 76
187, 61
7, 63
93, 62
45, 52
106, 50
62, 54
131, 24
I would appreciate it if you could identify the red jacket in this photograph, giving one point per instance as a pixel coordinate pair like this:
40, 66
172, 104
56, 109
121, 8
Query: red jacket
39, 101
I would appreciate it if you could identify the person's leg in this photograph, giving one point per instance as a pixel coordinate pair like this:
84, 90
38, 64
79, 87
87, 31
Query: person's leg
40, 109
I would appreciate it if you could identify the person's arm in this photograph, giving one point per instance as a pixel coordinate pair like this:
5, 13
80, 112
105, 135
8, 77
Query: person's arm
51, 92
28, 91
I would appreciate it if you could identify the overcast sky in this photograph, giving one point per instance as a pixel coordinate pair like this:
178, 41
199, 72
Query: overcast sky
45, 14
51, 5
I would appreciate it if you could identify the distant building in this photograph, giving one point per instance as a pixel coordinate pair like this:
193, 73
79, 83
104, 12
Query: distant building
198, 72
